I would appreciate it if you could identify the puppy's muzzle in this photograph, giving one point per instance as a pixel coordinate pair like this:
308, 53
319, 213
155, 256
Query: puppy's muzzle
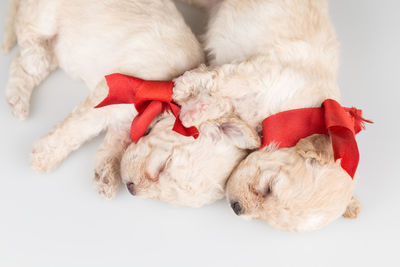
131, 188
236, 207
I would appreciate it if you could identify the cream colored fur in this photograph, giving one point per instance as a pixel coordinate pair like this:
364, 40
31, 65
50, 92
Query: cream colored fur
167, 166
148, 39
204, 4
89, 39
269, 56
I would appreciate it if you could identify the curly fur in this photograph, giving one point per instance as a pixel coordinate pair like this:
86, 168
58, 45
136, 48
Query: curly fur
267, 57
89, 39
180, 170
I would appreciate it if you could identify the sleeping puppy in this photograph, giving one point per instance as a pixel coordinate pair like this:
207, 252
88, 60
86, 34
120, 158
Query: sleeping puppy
88, 40
268, 57
147, 39
180, 170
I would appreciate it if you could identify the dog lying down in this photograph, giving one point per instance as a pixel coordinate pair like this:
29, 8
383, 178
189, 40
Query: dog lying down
268, 57
284, 58
148, 39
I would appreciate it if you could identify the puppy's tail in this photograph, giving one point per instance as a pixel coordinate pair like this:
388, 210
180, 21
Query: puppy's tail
10, 36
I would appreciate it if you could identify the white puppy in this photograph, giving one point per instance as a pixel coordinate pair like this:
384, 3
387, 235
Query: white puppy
167, 166
147, 39
89, 39
268, 57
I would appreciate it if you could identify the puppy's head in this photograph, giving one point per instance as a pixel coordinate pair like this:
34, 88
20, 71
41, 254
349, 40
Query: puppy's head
293, 189
181, 170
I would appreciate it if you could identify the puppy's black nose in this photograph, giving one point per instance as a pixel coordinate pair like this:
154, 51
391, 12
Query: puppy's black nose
236, 207
131, 188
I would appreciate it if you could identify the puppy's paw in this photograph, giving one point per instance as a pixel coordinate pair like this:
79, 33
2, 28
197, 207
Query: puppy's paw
45, 157
7, 46
191, 83
19, 104
353, 209
107, 178
193, 112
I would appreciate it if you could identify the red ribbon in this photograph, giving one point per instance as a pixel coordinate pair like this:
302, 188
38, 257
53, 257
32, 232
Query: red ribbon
151, 98
341, 124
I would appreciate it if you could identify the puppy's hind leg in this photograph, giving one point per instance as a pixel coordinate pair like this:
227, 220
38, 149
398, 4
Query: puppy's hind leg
84, 123
10, 36
28, 69
108, 159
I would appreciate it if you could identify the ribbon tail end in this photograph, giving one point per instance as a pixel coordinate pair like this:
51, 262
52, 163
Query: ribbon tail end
103, 103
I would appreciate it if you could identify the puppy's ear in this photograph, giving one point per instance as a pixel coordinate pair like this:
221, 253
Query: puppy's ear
317, 147
240, 133
353, 209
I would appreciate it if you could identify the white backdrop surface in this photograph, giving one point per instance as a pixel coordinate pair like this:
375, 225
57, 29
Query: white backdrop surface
57, 219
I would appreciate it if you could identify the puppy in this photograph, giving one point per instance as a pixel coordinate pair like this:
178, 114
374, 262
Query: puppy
88, 40
167, 166
268, 57
183, 171
146, 39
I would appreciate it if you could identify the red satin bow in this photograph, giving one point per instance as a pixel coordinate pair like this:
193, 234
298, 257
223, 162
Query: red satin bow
150, 98
341, 124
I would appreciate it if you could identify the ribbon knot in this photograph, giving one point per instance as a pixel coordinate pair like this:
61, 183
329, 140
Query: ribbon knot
341, 124
151, 98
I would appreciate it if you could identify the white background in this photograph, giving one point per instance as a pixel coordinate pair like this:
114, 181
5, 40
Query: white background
58, 219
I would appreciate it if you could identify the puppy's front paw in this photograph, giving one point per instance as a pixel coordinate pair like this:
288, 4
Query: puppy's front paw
107, 178
44, 156
193, 112
19, 104
192, 82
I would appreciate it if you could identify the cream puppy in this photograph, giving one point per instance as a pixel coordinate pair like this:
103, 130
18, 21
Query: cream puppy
268, 57
180, 170
147, 39
89, 39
